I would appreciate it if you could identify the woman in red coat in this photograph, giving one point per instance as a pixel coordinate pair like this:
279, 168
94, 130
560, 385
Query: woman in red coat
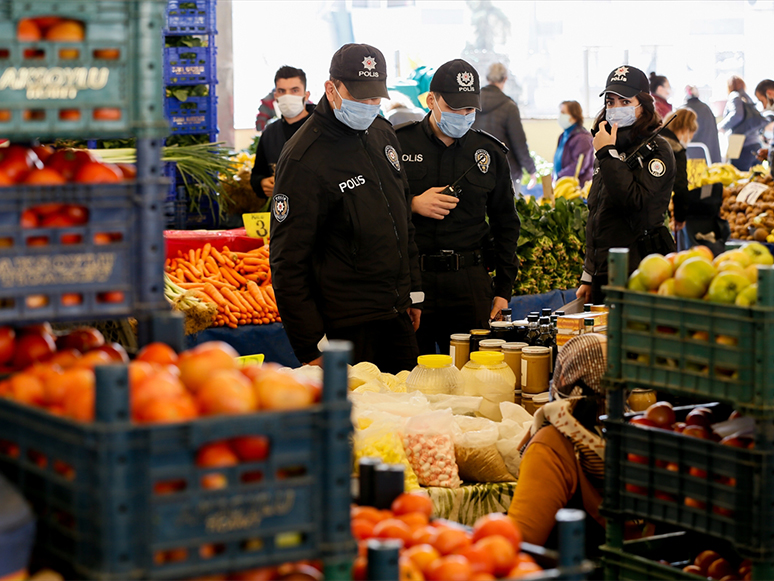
661, 91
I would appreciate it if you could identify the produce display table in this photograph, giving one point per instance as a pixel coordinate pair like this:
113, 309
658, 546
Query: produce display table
466, 504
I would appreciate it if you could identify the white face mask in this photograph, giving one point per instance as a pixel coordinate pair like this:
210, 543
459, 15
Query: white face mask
565, 120
290, 105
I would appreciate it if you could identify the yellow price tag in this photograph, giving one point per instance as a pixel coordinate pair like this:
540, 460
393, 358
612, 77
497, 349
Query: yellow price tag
258, 224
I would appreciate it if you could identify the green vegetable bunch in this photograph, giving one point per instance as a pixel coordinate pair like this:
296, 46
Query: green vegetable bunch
551, 245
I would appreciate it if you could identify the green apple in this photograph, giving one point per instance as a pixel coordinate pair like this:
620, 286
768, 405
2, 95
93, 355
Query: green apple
726, 286
684, 255
751, 272
654, 269
693, 277
735, 256
636, 283
667, 288
748, 297
758, 253
730, 265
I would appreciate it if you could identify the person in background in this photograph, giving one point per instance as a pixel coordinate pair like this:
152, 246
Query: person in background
739, 120
707, 133
500, 116
291, 96
575, 141
629, 197
343, 258
661, 90
454, 231
564, 460
400, 110
764, 92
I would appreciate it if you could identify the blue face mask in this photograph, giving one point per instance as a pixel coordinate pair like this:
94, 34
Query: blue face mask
624, 116
455, 125
354, 114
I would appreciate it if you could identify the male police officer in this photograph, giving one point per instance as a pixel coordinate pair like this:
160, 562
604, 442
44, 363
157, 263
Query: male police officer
343, 258
452, 231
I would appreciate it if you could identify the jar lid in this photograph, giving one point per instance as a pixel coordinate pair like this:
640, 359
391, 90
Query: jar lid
500, 324
514, 346
460, 337
535, 350
526, 395
540, 397
486, 357
491, 342
643, 390
434, 361
479, 331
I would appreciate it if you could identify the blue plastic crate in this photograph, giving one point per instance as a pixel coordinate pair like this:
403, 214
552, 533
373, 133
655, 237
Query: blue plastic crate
191, 17
178, 211
106, 85
190, 66
107, 522
194, 115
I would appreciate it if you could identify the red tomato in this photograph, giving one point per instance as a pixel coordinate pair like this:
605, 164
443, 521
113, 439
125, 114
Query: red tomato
94, 172
67, 161
129, 170
5, 181
82, 339
251, 448
31, 348
56, 221
16, 161
43, 152
107, 114
48, 209
111, 297
29, 219
44, 177
77, 214
7, 344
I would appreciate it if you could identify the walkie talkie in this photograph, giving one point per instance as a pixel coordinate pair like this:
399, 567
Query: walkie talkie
648, 145
453, 189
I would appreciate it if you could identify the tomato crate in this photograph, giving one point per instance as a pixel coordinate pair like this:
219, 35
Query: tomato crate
190, 65
194, 115
688, 346
110, 266
186, 17
106, 85
693, 483
118, 500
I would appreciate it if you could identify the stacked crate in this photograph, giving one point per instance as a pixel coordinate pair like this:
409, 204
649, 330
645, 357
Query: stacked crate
186, 67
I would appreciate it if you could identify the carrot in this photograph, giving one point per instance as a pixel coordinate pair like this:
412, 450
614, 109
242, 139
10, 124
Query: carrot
229, 295
270, 290
238, 277
211, 264
191, 285
192, 256
218, 256
206, 251
227, 275
214, 293
256, 293
253, 303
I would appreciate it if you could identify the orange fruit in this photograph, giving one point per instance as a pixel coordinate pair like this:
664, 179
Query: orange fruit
452, 540
226, 392
157, 353
79, 404
367, 513
480, 560
497, 524
524, 568
69, 114
60, 385
414, 520
423, 535
449, 568
197, 364
502, 550
409, 502
66, 31
422, 556
392, 528
107, 114
27, 388
408, 571
360, 569
28, 31
165, 411
362, 529
109, 54
216, 455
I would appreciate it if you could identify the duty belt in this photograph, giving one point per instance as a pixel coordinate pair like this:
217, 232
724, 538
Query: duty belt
449, 261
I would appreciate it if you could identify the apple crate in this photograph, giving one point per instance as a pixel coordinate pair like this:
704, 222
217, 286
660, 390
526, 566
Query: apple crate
186, 17
106, 85
190, 65
688, 346
692, 483
117, 500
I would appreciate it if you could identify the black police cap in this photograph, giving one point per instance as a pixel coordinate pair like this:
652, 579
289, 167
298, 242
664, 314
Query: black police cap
457, 82
362, 69
627, 81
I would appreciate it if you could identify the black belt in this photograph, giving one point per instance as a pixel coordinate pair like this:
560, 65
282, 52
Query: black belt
449, 261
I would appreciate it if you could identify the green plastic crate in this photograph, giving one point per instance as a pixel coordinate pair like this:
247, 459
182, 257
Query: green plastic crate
688, 346
37, 85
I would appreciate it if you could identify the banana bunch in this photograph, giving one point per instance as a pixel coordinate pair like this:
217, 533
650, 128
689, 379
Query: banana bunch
568, 188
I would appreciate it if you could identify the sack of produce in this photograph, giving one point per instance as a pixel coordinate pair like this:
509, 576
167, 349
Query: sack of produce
429, 443
379, 434
475, 447
514, 426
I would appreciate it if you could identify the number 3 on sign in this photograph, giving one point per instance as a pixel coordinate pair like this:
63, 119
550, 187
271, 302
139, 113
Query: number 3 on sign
257, 224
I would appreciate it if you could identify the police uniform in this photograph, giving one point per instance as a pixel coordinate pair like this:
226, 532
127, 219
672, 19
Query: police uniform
453, 251
343, 258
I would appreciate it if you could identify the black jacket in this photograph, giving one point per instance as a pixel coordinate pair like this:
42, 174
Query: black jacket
486, 192
707, 133
680, 188
500, 116
270, 145
623, 203
342, 241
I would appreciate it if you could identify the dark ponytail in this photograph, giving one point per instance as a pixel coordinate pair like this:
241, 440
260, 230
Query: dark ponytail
656, 81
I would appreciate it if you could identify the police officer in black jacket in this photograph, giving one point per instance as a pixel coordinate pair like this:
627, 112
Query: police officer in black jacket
629, 194
343, 258
456, 244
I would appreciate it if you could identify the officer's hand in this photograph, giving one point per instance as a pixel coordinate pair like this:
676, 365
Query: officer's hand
498, 304
268, 186
433, 204
318, 362
584, 293
603, 138
415, 315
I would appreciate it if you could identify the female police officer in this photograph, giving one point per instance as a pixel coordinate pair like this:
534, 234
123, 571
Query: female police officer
631, 187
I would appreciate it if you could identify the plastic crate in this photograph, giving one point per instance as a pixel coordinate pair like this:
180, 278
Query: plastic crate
190, 66
178, 211
108, 523
732, 502
194, 115
132, 264
191, 17
86, 95
651, 343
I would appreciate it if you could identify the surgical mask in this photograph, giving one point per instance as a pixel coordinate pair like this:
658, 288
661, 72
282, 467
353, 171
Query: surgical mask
624, 116
355, 115
290, 105
565, 121
455, 125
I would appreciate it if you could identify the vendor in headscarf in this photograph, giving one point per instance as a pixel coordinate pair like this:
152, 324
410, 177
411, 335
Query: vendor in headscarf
563, 463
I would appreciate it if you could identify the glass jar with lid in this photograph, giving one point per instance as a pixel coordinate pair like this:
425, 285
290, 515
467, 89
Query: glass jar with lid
487, 375
459, 349
500, 329
435, 374
491, 345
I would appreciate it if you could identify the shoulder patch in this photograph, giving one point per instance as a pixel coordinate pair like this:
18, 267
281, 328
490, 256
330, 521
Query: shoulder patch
657, 167
483, 160
493, 138
280, 207
392, 156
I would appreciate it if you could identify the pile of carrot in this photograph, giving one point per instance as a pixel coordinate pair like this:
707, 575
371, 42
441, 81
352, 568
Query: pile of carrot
239, 283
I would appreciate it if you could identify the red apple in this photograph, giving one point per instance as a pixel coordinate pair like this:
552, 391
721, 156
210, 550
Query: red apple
662, 414
697, 432
83, 339
643, 421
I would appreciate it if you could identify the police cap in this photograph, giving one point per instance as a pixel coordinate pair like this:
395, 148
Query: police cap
457, 82
362, 69
627, 81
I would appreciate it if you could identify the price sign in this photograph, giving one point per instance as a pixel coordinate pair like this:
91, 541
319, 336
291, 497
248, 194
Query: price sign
751, 192
258, 225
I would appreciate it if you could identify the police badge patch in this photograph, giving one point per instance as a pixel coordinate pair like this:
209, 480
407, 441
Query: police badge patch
392, 156
656, 167
482, 160
280, 206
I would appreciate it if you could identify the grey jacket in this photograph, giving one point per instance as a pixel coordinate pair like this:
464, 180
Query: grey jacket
500, 116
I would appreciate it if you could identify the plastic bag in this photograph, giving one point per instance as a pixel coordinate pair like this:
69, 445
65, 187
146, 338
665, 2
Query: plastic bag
516, 423
379, 434
478, 458
460, 405
429, 444
399, 404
